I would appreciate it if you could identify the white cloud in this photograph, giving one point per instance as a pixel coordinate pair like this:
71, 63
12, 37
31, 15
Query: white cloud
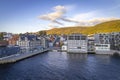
90, 18
58, 13
95, 21
82, 19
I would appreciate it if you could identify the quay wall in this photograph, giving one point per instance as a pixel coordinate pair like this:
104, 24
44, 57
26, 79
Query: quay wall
17, 57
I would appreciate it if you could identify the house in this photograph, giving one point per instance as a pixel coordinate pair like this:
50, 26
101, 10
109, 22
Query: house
3, 43
7, 36
28, 41
13, 40
77, 43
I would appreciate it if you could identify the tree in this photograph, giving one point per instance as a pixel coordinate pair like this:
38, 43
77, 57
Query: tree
1, 36
42, 33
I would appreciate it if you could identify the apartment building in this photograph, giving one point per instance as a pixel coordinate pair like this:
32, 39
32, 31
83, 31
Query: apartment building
102, 43
115, 40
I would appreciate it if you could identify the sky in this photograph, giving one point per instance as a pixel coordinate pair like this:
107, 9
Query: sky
20, 16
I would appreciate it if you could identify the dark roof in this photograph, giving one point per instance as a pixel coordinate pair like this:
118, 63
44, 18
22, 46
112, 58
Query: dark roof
29, 37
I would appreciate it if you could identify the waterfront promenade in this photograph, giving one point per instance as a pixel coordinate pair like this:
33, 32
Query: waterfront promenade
20, 56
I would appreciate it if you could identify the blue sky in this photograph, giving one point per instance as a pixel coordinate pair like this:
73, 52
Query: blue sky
19, 16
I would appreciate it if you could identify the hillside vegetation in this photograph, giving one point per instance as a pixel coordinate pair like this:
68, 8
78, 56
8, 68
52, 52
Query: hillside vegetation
106, 27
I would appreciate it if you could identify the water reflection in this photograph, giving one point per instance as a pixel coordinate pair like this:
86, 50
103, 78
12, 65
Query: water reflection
57, 60
75, 56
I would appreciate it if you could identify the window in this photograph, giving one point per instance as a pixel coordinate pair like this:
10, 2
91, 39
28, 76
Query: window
83, 37
79, 47
77, 37
71, 37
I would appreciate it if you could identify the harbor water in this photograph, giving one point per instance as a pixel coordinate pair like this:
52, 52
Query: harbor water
63, 66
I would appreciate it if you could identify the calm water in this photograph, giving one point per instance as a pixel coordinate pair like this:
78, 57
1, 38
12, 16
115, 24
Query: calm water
63, 66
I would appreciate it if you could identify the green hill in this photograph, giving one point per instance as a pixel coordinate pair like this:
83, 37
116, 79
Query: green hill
106, 27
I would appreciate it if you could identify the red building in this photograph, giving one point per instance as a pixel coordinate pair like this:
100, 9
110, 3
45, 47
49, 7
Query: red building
3, 43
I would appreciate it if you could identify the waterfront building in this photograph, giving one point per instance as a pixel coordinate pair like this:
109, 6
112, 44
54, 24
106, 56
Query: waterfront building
102, 43
77, 43
44, 42
3, 43
63, 38
27, 41
13, 40
7, 36
64, 48
102, 38
115, 40
91, 45
102, 47
50, 44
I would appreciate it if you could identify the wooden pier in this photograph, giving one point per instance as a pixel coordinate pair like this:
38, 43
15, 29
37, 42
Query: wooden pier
17, 57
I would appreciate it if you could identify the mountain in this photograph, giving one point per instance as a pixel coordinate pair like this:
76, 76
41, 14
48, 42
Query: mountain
106, 27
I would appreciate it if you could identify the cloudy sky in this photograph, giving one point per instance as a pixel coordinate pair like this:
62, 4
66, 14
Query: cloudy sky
19, 16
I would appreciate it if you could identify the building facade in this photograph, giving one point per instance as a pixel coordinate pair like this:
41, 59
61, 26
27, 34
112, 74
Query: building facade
44, 42
7, 36
77, 43
102, 38
13, 40
28, 42
64, 48
102, 43
91, 45
3, 43
9, 50
115, 40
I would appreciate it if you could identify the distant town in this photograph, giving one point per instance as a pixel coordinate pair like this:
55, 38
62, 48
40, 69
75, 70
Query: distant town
102, 43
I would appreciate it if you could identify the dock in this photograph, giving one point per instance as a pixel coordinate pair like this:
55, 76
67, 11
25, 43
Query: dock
20, 56
110, 52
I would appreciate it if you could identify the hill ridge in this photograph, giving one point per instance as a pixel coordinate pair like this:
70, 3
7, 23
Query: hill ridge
105, 27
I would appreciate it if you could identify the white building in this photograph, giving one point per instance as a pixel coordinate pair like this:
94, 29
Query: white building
7, 36
44, 42
102, 47
77, 43
91, 45
64, 47
102, 43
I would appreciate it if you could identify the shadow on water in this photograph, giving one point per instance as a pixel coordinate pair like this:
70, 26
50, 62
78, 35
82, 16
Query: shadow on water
117, 55
76, 56
6, 66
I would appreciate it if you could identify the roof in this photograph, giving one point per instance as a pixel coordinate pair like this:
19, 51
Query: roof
29, 37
